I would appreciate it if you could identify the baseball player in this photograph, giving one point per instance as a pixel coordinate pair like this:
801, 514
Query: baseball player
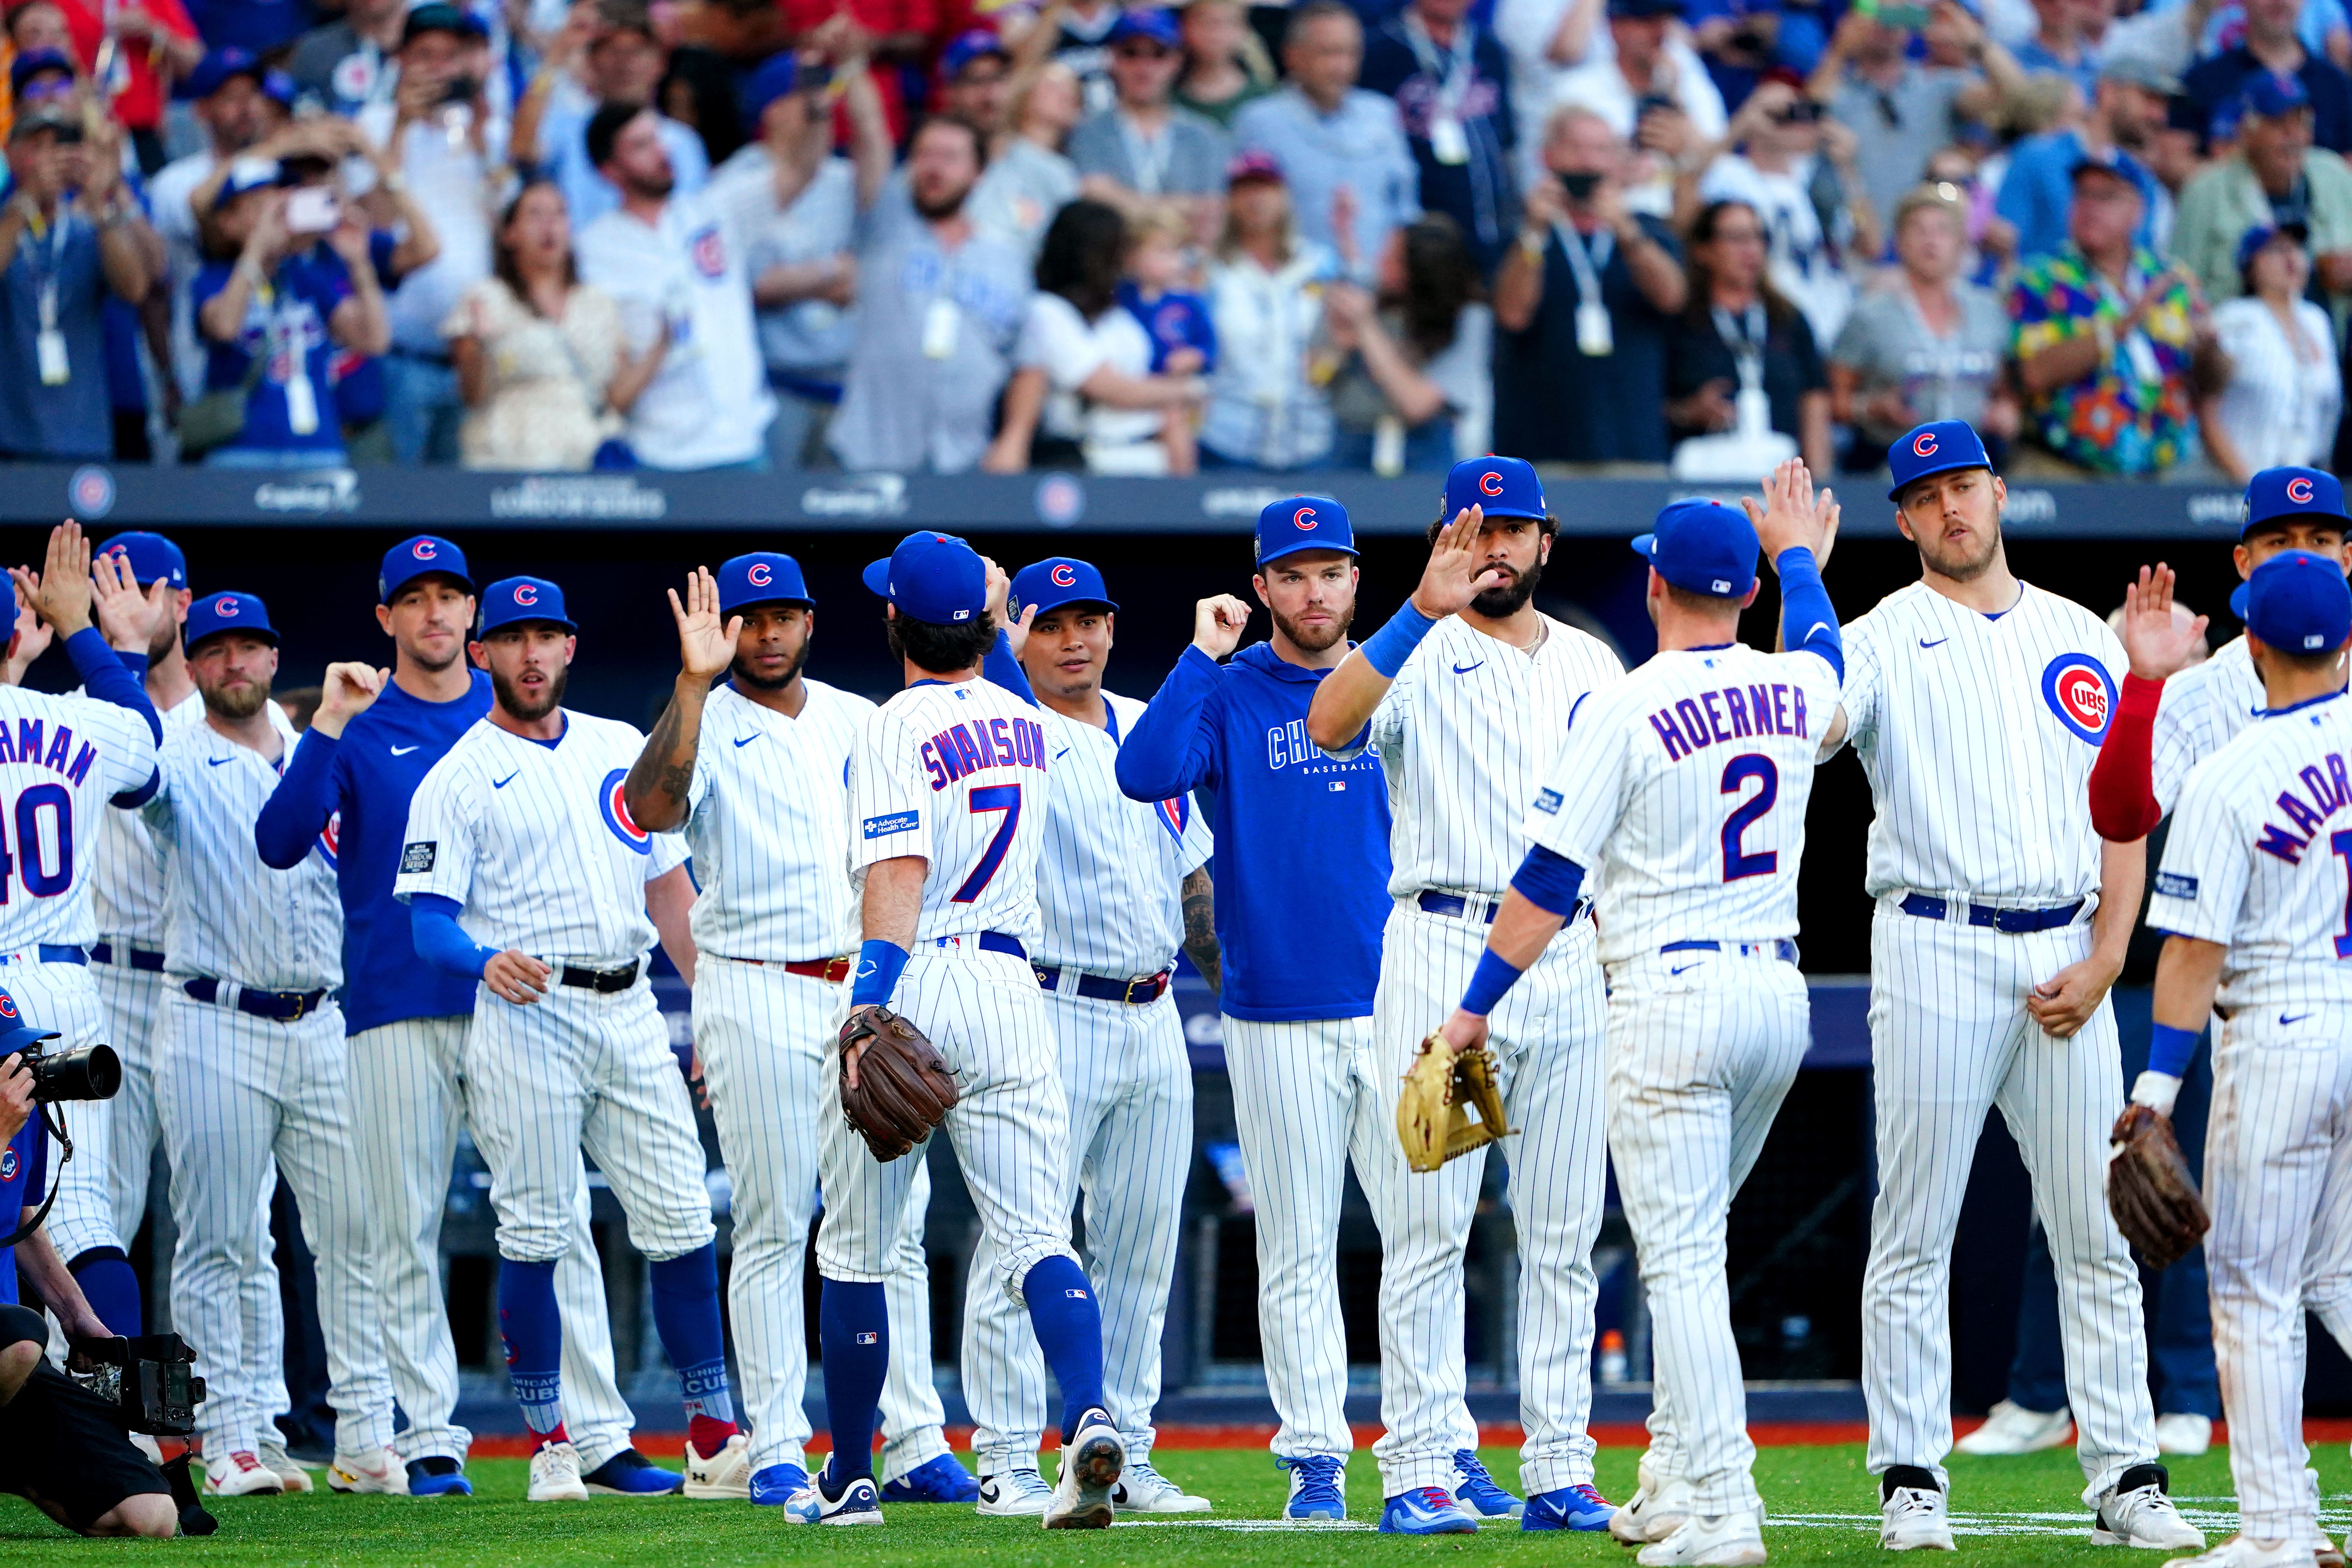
1467, 691
948, 799
1976, 704
2251, 898
1118, 883
522, 870
1299, 917
254, 1066
350, 782
767, 819
1679, 801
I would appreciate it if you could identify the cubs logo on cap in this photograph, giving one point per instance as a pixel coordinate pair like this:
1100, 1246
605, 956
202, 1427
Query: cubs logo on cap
425, 555
762, 577
512, 599
2079, 690
154, 558
1056, 581
218, 613
1934, 448
2277, 494
16, 1034
1500, 487
1303, 523
617, 813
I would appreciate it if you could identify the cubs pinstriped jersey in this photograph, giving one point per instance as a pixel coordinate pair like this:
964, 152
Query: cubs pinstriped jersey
768, 820
226, 914
955, 773
1978, 733
1111, 870
61, 758
1681, 790
2204, 708
532, 840
127, 883
1465, 734
2259, 859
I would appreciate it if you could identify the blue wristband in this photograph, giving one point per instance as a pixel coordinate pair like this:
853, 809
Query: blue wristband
1387, 649
1493, 976
2169, 1049
879, 963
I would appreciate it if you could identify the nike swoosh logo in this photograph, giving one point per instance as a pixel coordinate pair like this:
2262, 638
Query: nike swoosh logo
1466, 669
1060, 754
1816, 626
2297, 1019
1680, 967
510, 778
401, 751
217, 762
1923, 641
747, 740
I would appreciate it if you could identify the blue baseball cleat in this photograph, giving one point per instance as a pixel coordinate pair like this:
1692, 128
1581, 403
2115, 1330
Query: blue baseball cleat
1570, 1508
630, 1474
939, 1479
438, 1474
774, 1487
1318, 1487
1426, 1510
1479, 1495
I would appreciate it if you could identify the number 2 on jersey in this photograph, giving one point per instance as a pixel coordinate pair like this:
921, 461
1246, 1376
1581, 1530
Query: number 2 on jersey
1005, 799
29, 864
1737, 861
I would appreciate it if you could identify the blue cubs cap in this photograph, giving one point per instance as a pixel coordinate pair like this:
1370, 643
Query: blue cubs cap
1303, 523
2267, 94
32, 63
1058, 580
216, 70
245, 175
437, 16
17, 1031
1704, 546
2277, 495
1937, 448
1155, 24
966, 47
933, 577
152, 557
762, 577
216, 613
1505, 487
423, 556
2298, 603
2250, 243
778, 77
512, 599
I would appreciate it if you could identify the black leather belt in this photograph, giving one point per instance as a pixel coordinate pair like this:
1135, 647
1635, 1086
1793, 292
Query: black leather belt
1103, 988
278, 1006
1457, 907
603, 982
1780, 948
140, 958
2014, 922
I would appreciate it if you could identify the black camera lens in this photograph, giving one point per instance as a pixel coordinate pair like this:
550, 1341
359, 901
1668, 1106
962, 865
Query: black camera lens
1579, 185
93, 1072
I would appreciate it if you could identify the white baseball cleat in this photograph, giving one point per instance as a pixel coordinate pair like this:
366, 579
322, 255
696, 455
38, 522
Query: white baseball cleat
290, 1474
241, 1474
2142, 1516
2244, 1551
380, 1472
2187, 1435
2014, 1429
1915, 1519
555, 1475
1728, 1541
1013, 1494
725, 1474
1655, 1510
1091, 1462
859, 1502
1142, 1489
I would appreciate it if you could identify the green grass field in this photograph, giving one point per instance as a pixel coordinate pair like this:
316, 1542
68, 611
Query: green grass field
2006, 1511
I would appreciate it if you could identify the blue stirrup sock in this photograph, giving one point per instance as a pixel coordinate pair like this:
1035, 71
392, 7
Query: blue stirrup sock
853, 1334
1063, 1310
686, 1316
533, 1331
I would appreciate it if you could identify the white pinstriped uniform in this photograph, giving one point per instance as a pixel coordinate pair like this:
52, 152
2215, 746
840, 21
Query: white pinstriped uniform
1108, 887
234, 1090
769, 828
532, 843
1682, 792
1464, 736
921, 785
1978, 735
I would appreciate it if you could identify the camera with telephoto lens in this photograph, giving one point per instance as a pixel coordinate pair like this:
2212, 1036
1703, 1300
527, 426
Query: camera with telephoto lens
90, 1072
149, 1380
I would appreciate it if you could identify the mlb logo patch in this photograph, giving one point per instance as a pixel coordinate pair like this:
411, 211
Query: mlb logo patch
415, 859
868, 1337
710, 252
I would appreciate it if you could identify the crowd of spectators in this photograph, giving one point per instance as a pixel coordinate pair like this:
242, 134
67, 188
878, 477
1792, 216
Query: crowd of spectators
954, 235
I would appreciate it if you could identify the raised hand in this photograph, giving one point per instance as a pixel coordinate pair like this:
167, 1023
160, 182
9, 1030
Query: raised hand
63, 592
30, 641
2159, 642
1000, 595
346, 691
1454, 577
129, 616
706, 645
1217, 625
1791, 516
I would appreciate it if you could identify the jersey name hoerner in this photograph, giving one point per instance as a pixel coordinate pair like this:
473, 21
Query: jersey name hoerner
1682, 792
955, 773
1978, 733
61, 760
768, 821
536, 845
1111, 871
2259, 859
127, 884
1465, 735
2204, 708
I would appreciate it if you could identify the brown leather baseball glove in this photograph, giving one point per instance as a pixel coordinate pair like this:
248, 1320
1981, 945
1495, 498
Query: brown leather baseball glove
905, 1086
2151, 1190
1451, 1104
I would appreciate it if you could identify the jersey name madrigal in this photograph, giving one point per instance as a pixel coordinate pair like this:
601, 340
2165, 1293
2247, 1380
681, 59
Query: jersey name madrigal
533, 841
127, 883
1682, 793
955, 773
1978, 733
2204, 708
61, 760
768, 820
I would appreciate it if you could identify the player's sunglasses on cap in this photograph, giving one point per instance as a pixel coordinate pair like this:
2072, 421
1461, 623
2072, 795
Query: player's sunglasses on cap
1303, 523
1505, 487
423, 556
1935, 449
152, 557
762, 577
1058, 580
1703, 546
512, 599
2277, 495
218, 613
933, 577
2298, 603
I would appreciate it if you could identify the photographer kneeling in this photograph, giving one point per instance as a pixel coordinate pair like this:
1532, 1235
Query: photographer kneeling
62, 1449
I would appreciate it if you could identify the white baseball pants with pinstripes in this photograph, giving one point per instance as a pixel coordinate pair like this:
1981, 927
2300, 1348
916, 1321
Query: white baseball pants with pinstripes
63, 997
132, 1000
760, 1035
1129, 1084
1702, 1049
1950, 1039
2278, 1180
573, 1070
408, 1089
235, 1090
1549, 1038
